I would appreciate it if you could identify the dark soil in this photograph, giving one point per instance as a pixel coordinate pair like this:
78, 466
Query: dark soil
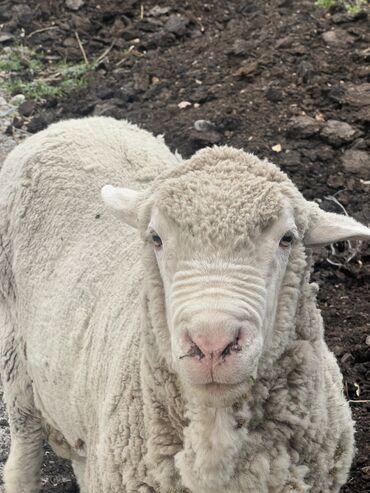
249, 69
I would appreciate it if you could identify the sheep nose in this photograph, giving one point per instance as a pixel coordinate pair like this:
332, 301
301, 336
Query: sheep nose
219, 347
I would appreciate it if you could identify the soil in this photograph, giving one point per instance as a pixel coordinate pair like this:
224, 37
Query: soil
266, 76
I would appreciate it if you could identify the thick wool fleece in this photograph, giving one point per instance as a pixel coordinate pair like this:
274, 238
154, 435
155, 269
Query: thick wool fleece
84, 310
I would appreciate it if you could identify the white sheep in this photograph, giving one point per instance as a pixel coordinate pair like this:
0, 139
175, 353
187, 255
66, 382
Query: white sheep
176, 344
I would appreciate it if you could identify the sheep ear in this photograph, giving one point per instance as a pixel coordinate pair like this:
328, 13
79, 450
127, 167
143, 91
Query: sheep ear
123, 201
327, 227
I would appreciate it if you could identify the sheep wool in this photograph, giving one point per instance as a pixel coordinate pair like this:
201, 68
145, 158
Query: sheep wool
86, 311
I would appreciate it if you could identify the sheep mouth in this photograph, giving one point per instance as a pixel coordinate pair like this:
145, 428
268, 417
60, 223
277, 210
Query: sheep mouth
216, 388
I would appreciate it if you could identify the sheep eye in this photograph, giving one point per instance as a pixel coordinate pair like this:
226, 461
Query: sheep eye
286, 240
156, 239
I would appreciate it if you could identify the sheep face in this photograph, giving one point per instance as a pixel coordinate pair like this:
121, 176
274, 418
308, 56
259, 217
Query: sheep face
221, 231
220, 298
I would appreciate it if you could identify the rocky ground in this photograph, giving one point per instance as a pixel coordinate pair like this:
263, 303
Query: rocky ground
281, 78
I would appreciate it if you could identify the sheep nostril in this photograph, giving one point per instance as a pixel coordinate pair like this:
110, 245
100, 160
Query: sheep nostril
194, 351
197, 351
233, 346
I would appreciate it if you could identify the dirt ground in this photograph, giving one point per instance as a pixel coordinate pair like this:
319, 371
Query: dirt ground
280, 78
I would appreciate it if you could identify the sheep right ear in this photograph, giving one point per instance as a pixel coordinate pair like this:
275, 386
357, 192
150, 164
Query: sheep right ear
123, 201
327, 227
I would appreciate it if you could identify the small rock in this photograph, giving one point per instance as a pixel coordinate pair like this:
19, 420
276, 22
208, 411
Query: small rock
108, 108
247, 69
157, 11
128, 93
36, 124
357, 95
305, 71
338, 350
203, 125
184, 104
336, 181
70, 42
74, 4
325, 153
161, 38
5, 37
363, 115
366, 471
303, 127
346, 357
275, 95
367, 341
240, 47
359, 144
297, 49
284, 42
105, 92
277, 148
356, 162
338, 133
177, 24
337, 37
26, 108
17, 100
23, 13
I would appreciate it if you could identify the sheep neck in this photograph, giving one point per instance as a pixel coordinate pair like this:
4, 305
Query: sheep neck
207, 447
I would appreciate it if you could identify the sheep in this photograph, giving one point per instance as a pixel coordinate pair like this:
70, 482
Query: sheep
168, 341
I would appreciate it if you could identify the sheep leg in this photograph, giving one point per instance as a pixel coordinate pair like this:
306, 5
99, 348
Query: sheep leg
79, 468
22, 469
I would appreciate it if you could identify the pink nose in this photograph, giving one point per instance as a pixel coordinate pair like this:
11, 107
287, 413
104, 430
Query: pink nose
216, 347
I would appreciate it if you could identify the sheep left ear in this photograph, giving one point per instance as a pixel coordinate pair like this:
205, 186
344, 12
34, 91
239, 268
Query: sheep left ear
123, 201
327, 227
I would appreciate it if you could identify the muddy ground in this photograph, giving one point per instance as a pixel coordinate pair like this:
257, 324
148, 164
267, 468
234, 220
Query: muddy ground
279, 78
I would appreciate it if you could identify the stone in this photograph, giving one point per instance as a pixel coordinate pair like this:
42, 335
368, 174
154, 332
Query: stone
336, 181
23, 13
305, 71
274, 95
338, 133
184, 104
177, 24
158, 11
74, 4
247, 69
37, 123
337, 37
5, 37
240, 47
357, 95
161, 38
303, 127
26, 108
203, 125
357, 162
17, 100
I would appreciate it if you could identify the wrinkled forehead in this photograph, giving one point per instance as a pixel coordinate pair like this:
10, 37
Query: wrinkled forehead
220, 205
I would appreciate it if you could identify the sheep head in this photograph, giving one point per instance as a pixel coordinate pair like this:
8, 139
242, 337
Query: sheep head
222, 230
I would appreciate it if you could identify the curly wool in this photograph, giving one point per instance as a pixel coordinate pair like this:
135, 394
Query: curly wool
98, 357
